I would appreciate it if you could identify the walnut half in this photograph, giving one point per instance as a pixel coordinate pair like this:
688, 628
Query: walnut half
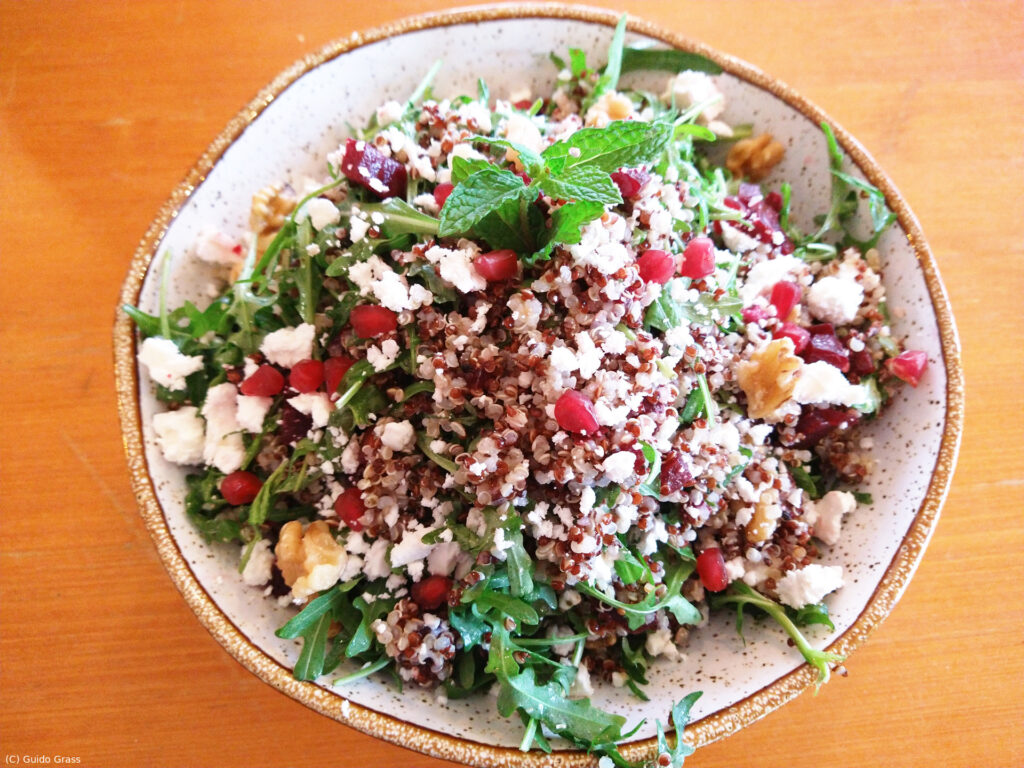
769, 377
310, 561
754, 158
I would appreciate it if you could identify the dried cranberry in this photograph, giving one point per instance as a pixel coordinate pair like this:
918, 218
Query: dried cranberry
816, 423
372, 320
908, 366
349, 507
365, 165
785, 295
265, 381
630, 181
335, 369
799, 336
431, 592
240, 487
441, 192
495, 266
306, 376
574, 412
656, 266
675, 474
711, 569
826, 347
698, 258
294, 425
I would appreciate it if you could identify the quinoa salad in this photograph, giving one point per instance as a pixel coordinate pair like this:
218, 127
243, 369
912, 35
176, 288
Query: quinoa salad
528, 384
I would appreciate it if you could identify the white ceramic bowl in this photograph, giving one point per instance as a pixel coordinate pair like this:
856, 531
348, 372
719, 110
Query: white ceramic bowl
285, 134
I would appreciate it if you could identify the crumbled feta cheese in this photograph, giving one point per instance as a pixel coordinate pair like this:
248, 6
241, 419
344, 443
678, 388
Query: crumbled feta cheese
389, 112
165, 363
252, 410
690, 88
476, 112
826, 515
443, 557
456, 266
588, 355
358, 226
398, 435
619, 466
581, 686
820, 382
809, 585
180, 435
835, 300
217, 248
376, 564
601, 246
257, 570
316, 405
614, 342
383, 356
411, 548
522, 130
525, 313
223, 447
322, 213
289, 346
659, 643
563, 359
763, 275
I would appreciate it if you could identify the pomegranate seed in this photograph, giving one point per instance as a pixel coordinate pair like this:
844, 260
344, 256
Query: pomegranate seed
675, 474
574, 412
816, 423
630, 181
306, 376
265, 381
372, 320
431, 592
800, 337
522, 104
698, 258
494, 266
825, 346
349, 507
908, 366
441, 192
365, 165
711, 569
754, 314
335, 369
240, 487
656, 266
785, 296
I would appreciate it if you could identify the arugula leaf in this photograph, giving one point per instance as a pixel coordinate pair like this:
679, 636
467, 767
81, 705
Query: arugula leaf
400, 218
651, 486
310, 664
666, 312
304, 620
520, 564
666, 60
863, 498
637, 614
621, 144
694, 405
680, 717
471, 626
629, 567
485, 191
207, 509
804, 480
363, 638
873, 402
609, 78
581, 183
816, 613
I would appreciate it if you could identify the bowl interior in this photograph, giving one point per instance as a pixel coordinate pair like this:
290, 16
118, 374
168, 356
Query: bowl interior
289, 140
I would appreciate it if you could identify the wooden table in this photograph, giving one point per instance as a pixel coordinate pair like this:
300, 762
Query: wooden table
103, 108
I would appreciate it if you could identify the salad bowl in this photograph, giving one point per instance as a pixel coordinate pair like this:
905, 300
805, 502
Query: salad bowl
304, 114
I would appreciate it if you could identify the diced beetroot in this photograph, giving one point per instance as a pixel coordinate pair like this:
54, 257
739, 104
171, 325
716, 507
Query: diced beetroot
908, 366
630, 181
774, 199
698, 258
372, 320
760, 216
265, 381
785, 295
799, 336
365, 165
306, 376
574, 412
495, 266
754, 314
675, 474
441, 192
862, 363
294, 424
749, 194
826, 347
431, 592
335, 369
656, 266
711, 569
816, 423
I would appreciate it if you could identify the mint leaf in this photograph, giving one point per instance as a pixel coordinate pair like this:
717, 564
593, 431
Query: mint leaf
505, 227
621, 144
666, 60
583, 183
485, 191
566, 224
400, 218
531, 160
463, 168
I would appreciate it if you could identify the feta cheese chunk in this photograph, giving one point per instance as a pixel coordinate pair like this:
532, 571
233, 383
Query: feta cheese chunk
165, 363
620, 466
411, 548
690, 87
383, 356
252, 410
809, 585
257, 570
223, 446
826, 515
316, 405
601, 246
289, 346
180, 435
219, 249
820, 382
322, 212
835, 299
456, 266
398, 435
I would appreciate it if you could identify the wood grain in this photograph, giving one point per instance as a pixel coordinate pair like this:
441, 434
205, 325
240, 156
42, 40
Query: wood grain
104, 106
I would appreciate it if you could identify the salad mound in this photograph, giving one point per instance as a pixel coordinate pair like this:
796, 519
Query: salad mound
524, 388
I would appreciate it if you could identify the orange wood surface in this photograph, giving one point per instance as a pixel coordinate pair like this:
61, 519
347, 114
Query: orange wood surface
104, 106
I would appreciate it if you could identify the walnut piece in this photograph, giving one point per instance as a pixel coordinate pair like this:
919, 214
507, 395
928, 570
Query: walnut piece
753, 158
310, 561
608, 108
766, 517
768, 377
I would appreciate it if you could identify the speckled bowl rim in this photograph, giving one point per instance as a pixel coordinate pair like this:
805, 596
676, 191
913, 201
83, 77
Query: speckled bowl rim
710, 728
